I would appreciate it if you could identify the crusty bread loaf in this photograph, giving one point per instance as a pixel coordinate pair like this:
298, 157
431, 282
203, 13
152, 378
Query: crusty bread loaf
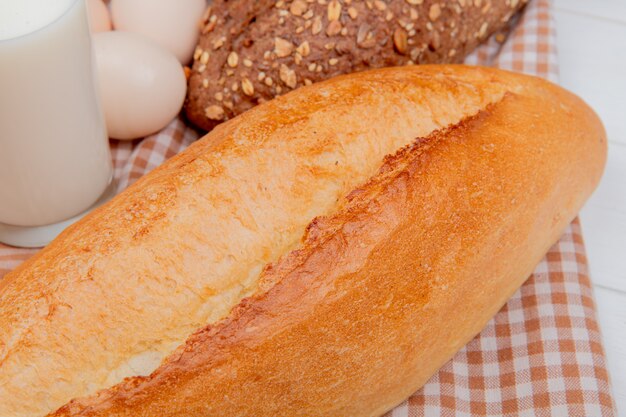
251, 51
239, 279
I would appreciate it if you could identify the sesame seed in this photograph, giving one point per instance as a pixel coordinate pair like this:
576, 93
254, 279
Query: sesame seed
217, 44
204, 57
247, 87
483, 29
333, 28
317, 25
334, 10
298, 7
214, 112
400, 40
304, 49
288, 76
362, 33
434, 12
415, 53
282, 47
233, 59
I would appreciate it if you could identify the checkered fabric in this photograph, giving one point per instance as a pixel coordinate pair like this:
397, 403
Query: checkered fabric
542, 354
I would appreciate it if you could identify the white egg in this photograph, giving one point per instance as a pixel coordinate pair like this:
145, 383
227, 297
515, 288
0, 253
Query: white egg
142, 86
99, 18
173, 24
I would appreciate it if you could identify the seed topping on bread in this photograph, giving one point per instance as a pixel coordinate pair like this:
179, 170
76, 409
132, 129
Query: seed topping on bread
252, 51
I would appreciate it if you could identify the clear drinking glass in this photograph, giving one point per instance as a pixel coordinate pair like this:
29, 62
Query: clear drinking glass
55, 161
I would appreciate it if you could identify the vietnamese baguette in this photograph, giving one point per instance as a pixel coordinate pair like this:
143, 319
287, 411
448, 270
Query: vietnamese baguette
323, 254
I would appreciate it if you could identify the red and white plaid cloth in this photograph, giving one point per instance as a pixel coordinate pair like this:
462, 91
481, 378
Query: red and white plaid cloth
542, 354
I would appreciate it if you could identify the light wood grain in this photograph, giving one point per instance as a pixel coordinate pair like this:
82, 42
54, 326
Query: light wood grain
605, 9
592, 57
604, 224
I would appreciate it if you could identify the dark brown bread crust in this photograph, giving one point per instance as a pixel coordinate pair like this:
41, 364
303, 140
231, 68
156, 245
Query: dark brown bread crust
253, 51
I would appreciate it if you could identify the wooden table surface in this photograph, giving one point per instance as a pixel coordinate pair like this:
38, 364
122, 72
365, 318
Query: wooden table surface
592, 56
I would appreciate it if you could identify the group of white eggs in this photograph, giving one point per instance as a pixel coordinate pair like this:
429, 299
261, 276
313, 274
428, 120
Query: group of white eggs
140, 63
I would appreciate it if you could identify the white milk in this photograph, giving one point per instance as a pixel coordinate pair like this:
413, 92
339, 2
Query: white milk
54, 153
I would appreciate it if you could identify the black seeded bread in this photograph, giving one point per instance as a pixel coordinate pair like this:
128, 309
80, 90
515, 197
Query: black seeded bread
251, 51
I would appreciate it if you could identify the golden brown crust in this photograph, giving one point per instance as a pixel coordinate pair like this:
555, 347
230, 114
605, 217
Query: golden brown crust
384, 292
392, 281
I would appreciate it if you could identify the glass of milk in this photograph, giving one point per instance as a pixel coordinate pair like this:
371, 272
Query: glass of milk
55, 162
